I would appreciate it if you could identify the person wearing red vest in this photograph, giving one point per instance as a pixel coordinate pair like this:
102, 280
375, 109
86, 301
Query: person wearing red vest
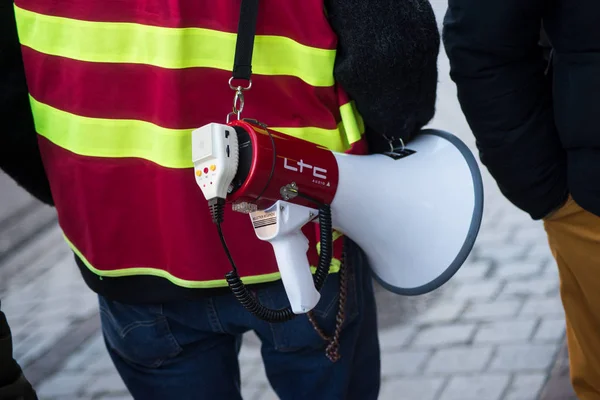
112, 90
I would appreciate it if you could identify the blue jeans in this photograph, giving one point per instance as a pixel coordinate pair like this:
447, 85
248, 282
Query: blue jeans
189, 349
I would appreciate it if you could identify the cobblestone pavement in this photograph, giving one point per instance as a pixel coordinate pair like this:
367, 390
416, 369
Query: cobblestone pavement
492, 333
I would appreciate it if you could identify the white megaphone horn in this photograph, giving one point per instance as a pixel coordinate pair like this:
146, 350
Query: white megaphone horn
417, 217
414, 211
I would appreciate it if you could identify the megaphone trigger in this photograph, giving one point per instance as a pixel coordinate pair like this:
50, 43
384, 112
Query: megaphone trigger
281, 226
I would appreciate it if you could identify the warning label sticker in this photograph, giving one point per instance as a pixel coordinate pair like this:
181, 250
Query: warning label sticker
265, 224
261, 219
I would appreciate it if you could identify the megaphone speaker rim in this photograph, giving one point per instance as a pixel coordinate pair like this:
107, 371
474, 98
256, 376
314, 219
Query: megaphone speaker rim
473, 231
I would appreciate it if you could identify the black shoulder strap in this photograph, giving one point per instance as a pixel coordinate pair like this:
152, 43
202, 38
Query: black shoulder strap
242, 65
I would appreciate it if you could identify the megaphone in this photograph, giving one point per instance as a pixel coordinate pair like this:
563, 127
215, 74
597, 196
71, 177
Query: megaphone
415, 211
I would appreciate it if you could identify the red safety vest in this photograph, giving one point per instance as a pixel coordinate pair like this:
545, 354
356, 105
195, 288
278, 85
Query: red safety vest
116, 88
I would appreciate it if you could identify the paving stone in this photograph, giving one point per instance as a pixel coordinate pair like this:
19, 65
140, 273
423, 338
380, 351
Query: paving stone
534, 287
93, 349
13, 199
62, 385
471, 263
42, 344
102, 363
114, 396
411, 389
505, 331
396, 337
16, 310
479, 387
80, 359
17, 232
106, 383
477, 290
267, 394
439, 336
550, 329
492, 237
471, 274
257, 393
48, 315
526, 387
492, 310
40, 252
249, 353
408, 362
503, 252
532, 233
518, 270
543, 307
98, 346
259, 377
489, 224
490, 218
459, 359
523, 357
249, 371
442, 312
541, 250
519, 219
21, 347
550, 271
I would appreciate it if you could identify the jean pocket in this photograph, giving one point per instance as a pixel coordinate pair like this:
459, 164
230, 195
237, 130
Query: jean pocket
139, 334
300, 333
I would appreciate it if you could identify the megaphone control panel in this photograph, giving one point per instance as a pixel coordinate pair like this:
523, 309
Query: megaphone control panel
215, 157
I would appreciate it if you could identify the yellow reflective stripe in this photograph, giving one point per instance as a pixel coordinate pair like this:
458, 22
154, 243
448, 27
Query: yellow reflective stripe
332, 139
248, 280
335, 236
115, 138
352, 122
175, 48
122, 138
350, 130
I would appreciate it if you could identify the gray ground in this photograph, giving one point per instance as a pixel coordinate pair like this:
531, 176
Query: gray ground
492, 333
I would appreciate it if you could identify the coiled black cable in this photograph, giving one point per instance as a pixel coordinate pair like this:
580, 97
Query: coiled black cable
241, 292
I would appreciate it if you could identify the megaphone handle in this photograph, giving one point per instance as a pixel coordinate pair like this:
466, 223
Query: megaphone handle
290, 252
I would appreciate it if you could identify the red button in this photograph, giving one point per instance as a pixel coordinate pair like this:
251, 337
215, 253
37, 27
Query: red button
206, 170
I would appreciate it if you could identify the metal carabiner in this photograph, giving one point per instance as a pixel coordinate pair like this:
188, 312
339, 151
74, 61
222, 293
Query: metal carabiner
238, 99
240, 87
391, 143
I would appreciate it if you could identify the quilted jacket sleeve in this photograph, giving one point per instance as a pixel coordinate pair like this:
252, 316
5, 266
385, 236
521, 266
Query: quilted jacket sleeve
387, 63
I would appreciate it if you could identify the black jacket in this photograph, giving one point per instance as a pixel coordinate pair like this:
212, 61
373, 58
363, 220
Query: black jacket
386, 61
536, 132
19, 155
13, 384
